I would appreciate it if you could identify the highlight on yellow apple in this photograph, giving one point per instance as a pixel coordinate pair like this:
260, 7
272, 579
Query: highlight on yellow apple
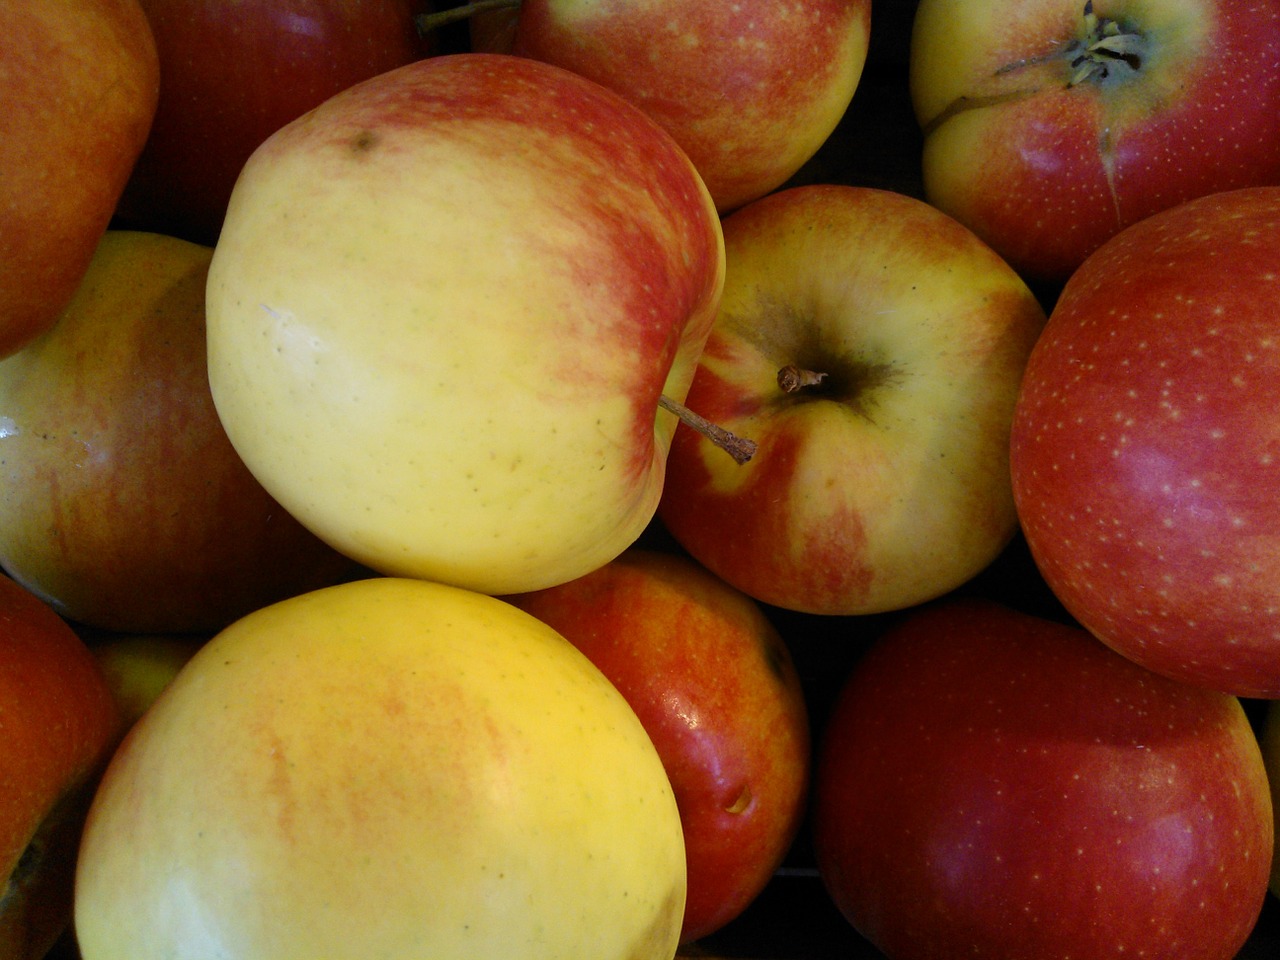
873, 347
388, 767
443, 312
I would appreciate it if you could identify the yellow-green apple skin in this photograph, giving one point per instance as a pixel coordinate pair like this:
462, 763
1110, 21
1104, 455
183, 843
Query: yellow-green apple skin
443, 309
714, 684
750, 91
1050, 125
122, 502
384, 768
886, 483
79, 81
58, 725
138, 667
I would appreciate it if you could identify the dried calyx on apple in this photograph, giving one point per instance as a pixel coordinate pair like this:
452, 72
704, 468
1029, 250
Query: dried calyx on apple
1106, 51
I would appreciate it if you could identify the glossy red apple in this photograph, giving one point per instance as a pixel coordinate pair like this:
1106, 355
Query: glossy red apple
234, 73
78, 83
122, 502
1146, 443
1052, 124
750, 91
716, 689
59, 722
994, 784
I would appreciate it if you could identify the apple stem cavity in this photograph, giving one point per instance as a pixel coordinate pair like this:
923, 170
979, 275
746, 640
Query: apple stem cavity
740, 448
1104, 47
793, 379
427, 22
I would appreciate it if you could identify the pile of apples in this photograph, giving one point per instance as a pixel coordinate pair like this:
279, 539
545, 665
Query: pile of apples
531, 480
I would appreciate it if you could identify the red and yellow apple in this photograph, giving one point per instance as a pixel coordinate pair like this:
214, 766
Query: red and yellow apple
79, 80
59, 724
1145, 457
872, 347
391, 768
716, 689
750, 92
234, 73
123, 504
994, 784
444, 309
1052, 124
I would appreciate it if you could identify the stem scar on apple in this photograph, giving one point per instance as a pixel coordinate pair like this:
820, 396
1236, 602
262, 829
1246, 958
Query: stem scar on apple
740, 448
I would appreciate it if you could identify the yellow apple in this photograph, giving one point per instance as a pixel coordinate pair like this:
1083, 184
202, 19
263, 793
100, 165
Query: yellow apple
444, 309
138, 667
384, 768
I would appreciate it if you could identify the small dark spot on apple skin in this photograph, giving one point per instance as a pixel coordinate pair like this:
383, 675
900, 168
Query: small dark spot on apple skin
364, 141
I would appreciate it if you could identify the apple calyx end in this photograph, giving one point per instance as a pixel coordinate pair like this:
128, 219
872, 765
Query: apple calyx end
426, 23
1105, 51
740, 448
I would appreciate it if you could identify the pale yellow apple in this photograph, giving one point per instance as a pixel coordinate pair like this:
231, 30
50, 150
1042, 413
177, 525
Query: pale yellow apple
442, 312
386, 768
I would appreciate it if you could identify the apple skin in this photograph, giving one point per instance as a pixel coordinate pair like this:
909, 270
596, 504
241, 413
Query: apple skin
391, 768
138, 667
1144, 440
79, 80
123, 503
991, 783
60, 724
233, 75
887, 484
716, 689
1045, 171
490, 421
750, 95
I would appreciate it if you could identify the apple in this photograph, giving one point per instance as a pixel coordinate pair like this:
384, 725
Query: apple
715, 687
79, 80
60, 723
123, 503
443, 313
387, 767
1269, 741
1144, 441
1052, 124
991, 783
235, 73
138, 667
884, 482
750, 92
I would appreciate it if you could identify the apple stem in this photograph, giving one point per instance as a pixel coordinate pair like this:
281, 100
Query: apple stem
740, 448
427, 22
793, 379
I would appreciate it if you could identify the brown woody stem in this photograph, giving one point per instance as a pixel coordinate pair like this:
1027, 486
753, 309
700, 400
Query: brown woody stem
426, 22
740, 448
793, 379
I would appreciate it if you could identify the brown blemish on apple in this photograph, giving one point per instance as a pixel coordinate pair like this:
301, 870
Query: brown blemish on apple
656, 936
742, 801
364, 142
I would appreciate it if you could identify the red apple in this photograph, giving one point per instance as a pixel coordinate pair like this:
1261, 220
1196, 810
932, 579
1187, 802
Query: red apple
79, 82
716, 690
59, 723
884, 483
123, 502
749, 91
234, 73
1052, 124
993, 784
1145, 457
